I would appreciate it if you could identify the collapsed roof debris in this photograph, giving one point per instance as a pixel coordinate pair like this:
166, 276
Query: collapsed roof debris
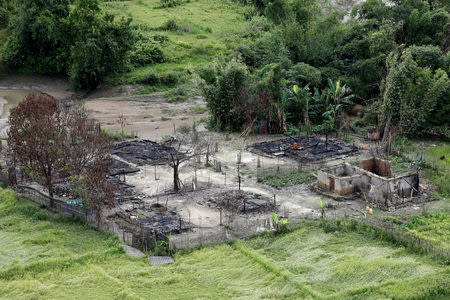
143, 152
241, 202
308, 148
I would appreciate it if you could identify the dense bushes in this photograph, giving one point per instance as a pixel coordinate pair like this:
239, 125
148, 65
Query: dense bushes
227, 95
310, 47
147, 49
52, 37
417, 91
5, 11
170, 3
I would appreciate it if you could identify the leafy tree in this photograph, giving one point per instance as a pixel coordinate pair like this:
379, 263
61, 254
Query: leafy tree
6, 9
100, 44
416, 97
270, 83
304, 74
94, 189
49, 141
36, 137
38, 36
52, 37
227, 96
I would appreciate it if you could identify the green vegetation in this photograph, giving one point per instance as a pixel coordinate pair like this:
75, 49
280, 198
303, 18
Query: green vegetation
389, 56
194, 33
337, 261
62, 258
55, 37
437, 161
120, 135
288, 179
433, 227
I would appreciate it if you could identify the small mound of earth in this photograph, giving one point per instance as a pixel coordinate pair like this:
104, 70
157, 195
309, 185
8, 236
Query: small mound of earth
241, 202
309, 148
142, 152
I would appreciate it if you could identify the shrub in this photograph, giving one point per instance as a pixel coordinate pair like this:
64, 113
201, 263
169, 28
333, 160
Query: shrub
170, 3
146, 52
177, 95
170, 79
281, 225
8, 198
304, 74
207, 73
170, 25
152, 79
70, 219
40, 215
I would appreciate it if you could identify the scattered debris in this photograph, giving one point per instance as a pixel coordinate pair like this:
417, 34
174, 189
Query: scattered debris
162, 222
241, 202
142, 152
308, 148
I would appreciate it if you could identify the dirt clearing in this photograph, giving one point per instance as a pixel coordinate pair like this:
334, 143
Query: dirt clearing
146, 116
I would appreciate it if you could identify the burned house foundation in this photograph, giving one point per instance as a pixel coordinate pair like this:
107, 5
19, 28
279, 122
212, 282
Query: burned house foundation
374, 180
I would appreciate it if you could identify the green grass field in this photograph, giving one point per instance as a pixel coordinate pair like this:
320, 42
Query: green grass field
206, 29
51, 258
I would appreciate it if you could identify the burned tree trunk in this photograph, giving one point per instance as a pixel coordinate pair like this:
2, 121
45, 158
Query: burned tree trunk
176, 178
12, 176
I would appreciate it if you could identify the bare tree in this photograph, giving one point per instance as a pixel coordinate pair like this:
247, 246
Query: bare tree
183, 148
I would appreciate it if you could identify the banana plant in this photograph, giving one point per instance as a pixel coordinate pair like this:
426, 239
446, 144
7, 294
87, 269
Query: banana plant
322, 208
337, 98
280, 225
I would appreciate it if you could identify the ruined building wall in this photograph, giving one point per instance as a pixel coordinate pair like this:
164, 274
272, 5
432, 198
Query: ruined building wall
384, 191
